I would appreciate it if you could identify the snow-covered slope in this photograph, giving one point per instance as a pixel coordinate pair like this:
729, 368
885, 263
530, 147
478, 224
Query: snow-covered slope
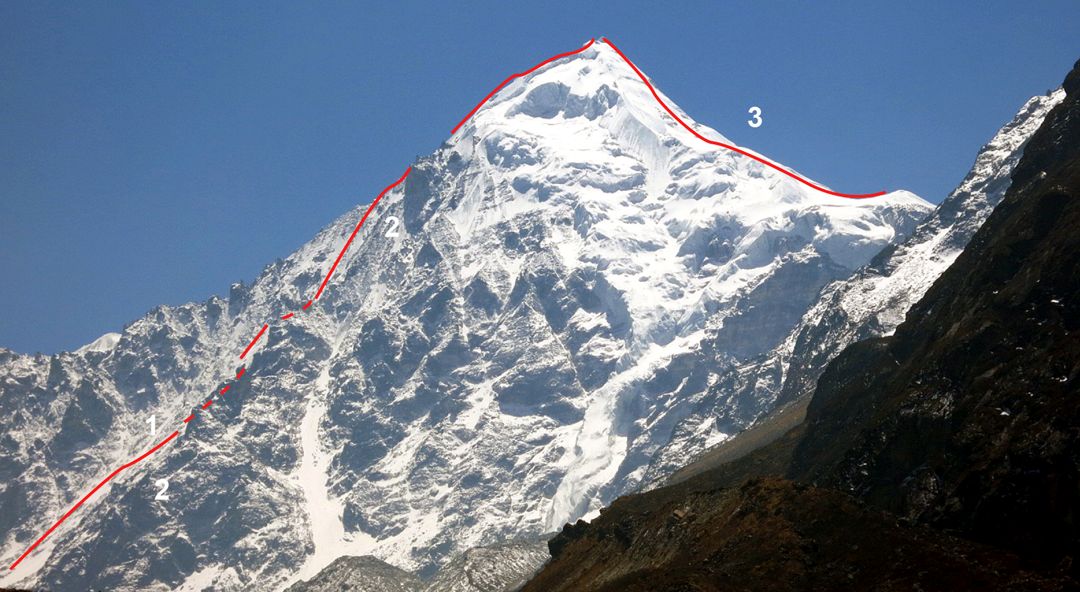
571, 271
871, 303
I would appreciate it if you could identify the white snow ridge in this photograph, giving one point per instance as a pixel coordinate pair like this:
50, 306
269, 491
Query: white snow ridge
573, 272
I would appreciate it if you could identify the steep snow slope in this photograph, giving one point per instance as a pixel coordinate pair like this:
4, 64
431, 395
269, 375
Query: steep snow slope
506, 359
871, 303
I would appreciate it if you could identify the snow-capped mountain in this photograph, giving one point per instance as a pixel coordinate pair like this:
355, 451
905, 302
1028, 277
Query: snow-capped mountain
871, 303
504, 348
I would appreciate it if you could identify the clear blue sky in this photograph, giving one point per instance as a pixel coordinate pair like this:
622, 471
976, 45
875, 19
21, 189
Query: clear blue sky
153, 153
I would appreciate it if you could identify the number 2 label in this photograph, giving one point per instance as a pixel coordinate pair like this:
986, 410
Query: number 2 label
163, 484
392, 231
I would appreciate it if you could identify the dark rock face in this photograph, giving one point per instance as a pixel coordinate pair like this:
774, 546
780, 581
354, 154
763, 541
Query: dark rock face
967, 417
568, 534
942, 457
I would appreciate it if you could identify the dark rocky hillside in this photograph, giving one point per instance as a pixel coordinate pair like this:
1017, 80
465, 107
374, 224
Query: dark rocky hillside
770, 534
968, 417
943, 457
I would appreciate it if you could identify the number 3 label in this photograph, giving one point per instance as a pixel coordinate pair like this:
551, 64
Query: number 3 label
756, 121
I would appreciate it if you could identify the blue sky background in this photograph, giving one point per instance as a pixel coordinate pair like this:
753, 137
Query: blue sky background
153, 153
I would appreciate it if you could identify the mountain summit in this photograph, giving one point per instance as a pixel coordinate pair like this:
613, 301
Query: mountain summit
940, 457
518, 329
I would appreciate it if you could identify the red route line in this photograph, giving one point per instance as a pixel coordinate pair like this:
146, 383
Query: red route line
252, 344
239, 373
353, 235
518, 75
287, 317
225, 388
760, 159
348, 243
92, 492
671, 112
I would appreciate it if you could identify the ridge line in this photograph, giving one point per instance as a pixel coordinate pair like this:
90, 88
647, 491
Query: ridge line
511, 77
92, 492
210, 401
732, 147
671, 112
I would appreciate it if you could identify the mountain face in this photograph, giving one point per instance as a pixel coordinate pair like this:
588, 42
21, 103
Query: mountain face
870, 303
941, 457
505, 346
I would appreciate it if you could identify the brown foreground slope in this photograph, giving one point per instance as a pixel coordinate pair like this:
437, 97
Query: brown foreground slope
770, 534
